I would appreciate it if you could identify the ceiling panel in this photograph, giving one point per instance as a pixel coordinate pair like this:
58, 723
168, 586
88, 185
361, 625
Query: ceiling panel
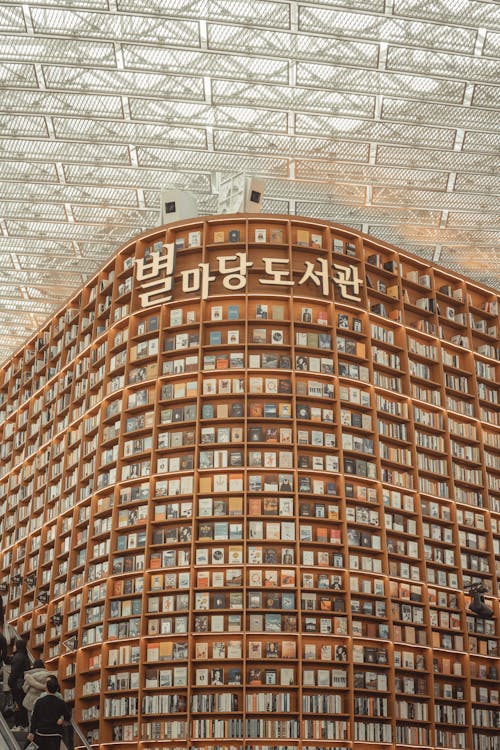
271, 43
346, 128
472, 13
381, 82
427, 113
12, 20
429, 158
50, 151
80, 105
193, 113
368, 174
272, 14
56, 51
204, 63
295, 98
38, 210
436, 63
392, 29
83, 24
381, 115
122, 82
207, 160
442, 200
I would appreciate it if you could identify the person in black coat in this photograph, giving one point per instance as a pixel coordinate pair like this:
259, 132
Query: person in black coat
4, 657
49, 713
19, 665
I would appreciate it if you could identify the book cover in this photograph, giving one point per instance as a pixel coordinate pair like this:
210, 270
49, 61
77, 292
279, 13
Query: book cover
302, 237
194, 239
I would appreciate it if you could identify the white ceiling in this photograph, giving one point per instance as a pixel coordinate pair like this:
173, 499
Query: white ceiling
379, 114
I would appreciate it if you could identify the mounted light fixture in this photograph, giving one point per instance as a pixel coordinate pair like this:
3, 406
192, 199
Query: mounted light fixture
478, 606
56, 619
43, 597
17, 580
30, 581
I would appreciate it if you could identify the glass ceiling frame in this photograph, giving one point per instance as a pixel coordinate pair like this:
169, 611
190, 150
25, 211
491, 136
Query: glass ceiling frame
380, 115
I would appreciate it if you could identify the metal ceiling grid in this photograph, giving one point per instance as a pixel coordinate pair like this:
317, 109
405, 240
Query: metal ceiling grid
379, 114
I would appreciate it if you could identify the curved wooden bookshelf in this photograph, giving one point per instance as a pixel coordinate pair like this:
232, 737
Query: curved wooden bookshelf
249, 474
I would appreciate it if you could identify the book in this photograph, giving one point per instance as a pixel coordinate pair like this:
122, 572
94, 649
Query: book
302, 237
194, 239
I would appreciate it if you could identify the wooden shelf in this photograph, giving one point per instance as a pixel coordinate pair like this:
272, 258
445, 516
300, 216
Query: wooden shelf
260, 485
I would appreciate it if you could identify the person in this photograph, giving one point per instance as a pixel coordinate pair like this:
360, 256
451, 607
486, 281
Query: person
4, 658
35, 682
217, 677
49, 714
6, 701
19, 665
301, 363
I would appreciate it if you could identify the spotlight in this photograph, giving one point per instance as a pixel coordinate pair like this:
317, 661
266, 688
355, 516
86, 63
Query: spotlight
478, 606
43, 597
30, 581
56, 619
17, 580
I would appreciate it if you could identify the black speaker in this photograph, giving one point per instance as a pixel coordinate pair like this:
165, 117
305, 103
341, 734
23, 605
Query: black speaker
176, 205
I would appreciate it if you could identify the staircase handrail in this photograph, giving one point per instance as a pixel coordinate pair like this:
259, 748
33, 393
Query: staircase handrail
12, 633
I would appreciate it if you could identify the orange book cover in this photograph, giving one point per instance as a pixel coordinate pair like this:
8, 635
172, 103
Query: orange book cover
155, 561
206, 483
235, 504
166, 650
254, 506
156, 582
288, 650
321, 534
